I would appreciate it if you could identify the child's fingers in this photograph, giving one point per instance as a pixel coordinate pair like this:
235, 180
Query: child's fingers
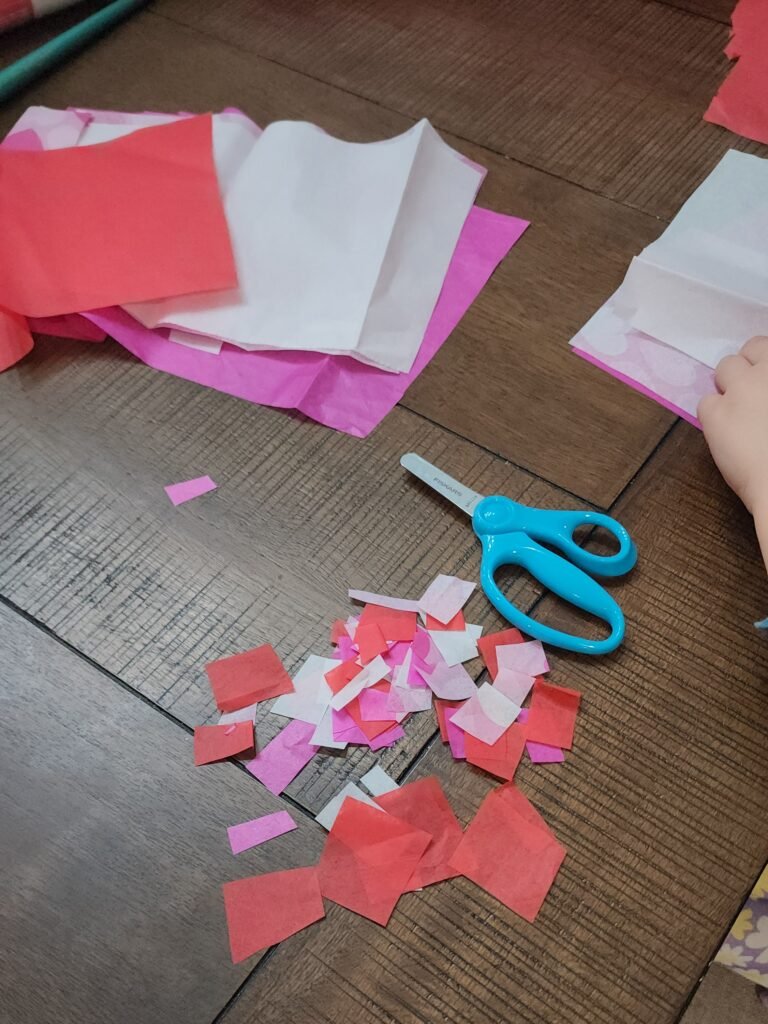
706, 410
729, 371
755, 350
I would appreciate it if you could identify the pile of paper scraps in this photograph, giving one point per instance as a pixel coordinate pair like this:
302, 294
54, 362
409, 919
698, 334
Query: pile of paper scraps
694, 295
282, 266
396, 659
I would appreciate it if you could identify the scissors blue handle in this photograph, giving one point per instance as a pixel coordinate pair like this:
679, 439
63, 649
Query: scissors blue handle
514, 534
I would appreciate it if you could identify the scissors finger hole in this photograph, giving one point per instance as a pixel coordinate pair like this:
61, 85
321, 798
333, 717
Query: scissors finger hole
547, 607
560, 614
597, 539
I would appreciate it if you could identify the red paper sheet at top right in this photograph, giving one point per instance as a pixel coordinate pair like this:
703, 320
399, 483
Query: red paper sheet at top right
121, 221
741, 103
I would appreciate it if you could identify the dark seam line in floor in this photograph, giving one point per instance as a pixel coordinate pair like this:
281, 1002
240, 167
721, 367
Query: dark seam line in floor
130, 689
410, 117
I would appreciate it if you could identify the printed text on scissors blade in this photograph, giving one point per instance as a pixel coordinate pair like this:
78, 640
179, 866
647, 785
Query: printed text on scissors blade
464, 497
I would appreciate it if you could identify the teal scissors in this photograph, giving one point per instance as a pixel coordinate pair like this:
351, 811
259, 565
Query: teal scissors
513, 534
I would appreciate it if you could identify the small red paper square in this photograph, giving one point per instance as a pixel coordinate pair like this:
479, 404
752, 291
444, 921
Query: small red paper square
344, 673
370, 641
552, 716
510, 852
246, 678
368, 859
424, 805
265, 909
218, 742
395, 625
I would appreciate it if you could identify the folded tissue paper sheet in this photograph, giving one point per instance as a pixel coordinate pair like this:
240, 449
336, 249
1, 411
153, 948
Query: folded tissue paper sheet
694, 295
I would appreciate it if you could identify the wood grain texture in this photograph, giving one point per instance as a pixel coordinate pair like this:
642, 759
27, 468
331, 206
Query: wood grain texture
506, 377
91, 547
661, 806
606, 93
114, 849
717, 10
24, 38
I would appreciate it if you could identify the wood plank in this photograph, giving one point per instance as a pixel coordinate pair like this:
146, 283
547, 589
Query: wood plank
661, 805
92, 548
506, 377
717, 10
722, 996
114, 848
24, 38
606, 93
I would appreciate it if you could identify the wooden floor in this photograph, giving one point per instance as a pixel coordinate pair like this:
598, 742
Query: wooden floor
587, 114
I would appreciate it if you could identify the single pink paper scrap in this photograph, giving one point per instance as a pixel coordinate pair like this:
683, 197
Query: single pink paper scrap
543, 753
346, 729
528, 658
253, 833
455, 736
188, 489
487, 715
282, 759
540, 753
513, 684
445, 597
397, 604
346, 649
397, 653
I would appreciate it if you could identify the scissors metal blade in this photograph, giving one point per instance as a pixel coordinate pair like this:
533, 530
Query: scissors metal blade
464, 497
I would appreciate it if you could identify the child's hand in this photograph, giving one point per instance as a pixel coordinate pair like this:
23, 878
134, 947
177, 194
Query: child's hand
735, 423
